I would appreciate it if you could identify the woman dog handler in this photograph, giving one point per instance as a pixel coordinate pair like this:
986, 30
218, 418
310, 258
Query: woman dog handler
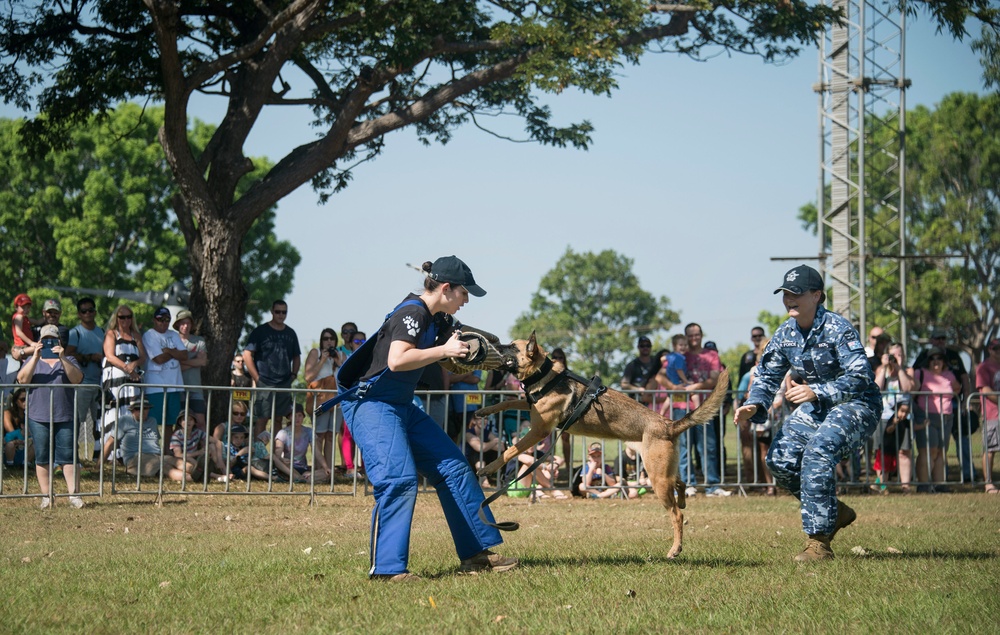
839, 405
399, 441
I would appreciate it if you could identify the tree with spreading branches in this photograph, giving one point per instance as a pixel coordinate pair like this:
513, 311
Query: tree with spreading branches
364, 68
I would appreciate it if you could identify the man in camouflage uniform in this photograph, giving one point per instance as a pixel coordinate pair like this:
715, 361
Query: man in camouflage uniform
839, 405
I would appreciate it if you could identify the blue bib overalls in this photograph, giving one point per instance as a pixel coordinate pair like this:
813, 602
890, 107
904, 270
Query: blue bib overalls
399, 442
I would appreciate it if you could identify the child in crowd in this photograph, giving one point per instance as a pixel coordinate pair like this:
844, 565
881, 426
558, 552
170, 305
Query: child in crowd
187, 436
15, 445
675, 370
137, 435
237, 452
545, 475
596, 478
21, 325
482, 445
887, 454
289, 460
637, 480
676, 363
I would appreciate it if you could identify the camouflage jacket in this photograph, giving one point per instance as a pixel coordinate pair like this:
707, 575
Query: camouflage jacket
830, 358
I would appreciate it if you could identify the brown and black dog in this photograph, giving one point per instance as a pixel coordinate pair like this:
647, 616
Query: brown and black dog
612, 415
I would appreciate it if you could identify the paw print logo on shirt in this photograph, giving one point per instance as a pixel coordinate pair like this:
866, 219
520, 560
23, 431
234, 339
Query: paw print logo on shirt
411, 325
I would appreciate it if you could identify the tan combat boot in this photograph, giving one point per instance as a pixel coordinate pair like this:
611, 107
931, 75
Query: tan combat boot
817, 548
845, 516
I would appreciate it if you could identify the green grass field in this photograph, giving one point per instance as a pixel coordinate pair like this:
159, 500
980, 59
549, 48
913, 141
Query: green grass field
218, 564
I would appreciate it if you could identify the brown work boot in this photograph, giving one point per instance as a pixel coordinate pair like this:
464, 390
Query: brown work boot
817, 548
845, 516
406, 576
487, 561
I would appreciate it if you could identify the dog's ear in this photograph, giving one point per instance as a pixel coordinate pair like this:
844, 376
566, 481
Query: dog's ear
532, 346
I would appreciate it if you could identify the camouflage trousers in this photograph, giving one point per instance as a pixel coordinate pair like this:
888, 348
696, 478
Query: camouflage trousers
806, 450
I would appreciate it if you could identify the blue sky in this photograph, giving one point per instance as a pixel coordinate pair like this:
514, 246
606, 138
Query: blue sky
696, 172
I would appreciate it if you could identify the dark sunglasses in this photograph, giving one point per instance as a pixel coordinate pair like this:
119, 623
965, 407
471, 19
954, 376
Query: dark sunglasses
280, 312
361, 341
326, 338
125, 317
90, 310
162, 319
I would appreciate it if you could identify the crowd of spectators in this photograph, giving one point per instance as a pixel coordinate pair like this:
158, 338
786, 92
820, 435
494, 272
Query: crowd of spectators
142, 377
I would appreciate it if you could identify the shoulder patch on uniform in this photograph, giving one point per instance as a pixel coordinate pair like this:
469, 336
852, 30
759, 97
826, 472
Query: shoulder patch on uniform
412, 328
854, 345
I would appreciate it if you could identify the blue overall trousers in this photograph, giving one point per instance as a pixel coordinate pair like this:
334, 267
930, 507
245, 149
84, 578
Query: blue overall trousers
398, 442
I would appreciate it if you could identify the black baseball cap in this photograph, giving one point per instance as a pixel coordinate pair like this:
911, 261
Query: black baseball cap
644, 341
453, 271
801, 279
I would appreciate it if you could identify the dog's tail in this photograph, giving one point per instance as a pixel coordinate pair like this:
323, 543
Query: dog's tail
708, 409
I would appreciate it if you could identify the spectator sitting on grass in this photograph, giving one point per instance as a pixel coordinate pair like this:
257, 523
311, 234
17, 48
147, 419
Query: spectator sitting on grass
139, 441
544, 475
596, 478
233, 457
198, 445
291, 461
482, 445
637, 480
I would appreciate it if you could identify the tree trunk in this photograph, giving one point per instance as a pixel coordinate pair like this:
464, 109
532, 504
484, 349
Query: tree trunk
218, 297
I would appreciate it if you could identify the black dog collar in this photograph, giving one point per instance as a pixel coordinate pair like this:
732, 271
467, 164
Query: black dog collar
535, 377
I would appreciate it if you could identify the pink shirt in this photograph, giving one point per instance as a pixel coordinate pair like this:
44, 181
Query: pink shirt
938, 384
988, 376
699, 368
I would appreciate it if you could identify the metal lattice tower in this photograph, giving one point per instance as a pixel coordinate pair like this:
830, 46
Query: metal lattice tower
861, 220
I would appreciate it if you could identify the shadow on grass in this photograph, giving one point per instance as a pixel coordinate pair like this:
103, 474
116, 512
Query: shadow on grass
626, 560
936, 554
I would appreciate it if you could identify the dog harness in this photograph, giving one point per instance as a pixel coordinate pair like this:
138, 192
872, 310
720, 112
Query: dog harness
594, 390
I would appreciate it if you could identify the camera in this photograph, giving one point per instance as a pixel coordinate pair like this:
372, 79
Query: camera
332, 352
47, 352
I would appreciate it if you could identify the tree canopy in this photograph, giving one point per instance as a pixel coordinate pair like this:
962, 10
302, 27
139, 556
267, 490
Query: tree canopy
97, 212
365, 68
953, 221
592, 306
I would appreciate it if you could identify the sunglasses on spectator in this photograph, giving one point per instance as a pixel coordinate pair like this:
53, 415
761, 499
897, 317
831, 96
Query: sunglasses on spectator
90, 310
162, 319
327, 338
361, 341
280, 312
240, 413
125, 317
757, 337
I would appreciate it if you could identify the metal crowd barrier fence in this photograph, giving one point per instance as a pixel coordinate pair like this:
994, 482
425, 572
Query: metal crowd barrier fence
453, 411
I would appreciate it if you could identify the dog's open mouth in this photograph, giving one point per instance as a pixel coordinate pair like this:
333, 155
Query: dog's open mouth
508, 357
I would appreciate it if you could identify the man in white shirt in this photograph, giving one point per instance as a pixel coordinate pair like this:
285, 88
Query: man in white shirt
164, 350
